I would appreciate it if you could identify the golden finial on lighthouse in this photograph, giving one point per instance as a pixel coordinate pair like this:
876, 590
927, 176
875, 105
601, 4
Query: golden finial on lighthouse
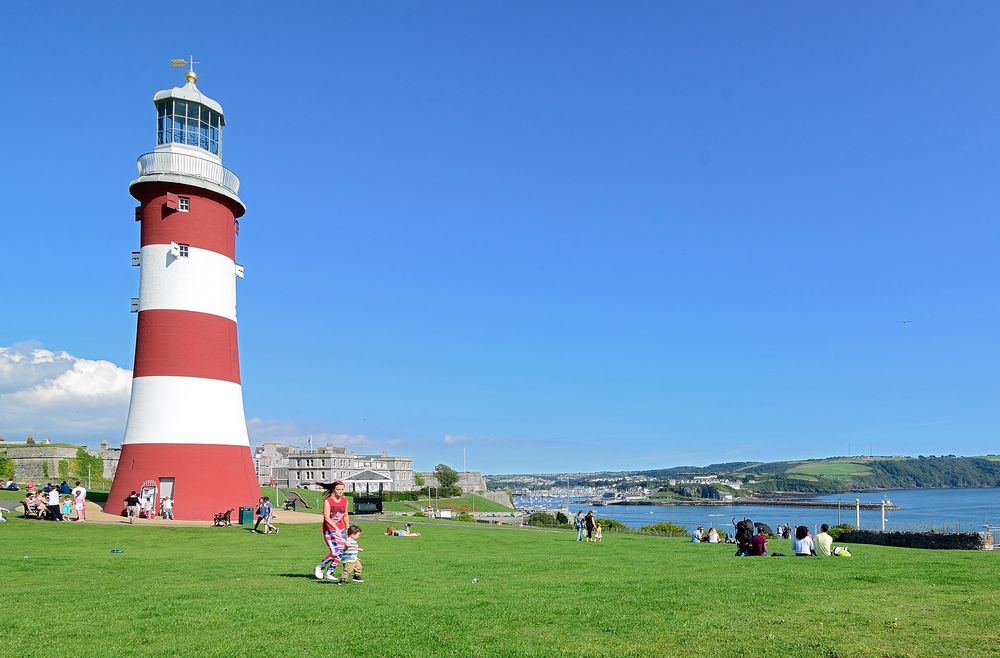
190, 76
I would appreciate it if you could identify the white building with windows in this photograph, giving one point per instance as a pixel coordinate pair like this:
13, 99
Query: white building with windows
307, 467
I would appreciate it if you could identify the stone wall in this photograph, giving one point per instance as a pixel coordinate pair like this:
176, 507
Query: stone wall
32, 461
501, 497
967, 541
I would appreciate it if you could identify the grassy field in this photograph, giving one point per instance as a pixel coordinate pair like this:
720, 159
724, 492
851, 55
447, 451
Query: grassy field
227, 592
832, 468
461, 504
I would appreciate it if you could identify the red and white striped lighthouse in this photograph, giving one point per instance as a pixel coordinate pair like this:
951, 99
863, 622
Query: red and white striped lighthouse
186, 430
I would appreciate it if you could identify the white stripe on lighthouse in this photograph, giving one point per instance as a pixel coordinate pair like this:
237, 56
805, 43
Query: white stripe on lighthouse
186, 410
203, 281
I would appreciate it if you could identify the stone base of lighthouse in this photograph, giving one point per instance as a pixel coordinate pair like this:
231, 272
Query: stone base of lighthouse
185, 468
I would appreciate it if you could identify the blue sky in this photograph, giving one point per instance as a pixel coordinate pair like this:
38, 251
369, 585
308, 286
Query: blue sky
564, 236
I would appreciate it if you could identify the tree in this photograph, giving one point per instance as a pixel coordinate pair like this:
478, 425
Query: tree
419, 480
6, 467
446, 475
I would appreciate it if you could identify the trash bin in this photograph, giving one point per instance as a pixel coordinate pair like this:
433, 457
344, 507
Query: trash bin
246, 516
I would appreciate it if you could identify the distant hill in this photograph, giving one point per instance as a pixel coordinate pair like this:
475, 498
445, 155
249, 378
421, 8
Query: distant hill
831, 475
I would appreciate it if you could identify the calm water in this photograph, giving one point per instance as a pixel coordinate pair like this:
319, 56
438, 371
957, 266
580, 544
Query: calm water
921, 509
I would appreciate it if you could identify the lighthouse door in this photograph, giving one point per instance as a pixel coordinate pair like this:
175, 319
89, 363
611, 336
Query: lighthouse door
166, 487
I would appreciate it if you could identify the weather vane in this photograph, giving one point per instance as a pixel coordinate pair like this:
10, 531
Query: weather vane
190, 76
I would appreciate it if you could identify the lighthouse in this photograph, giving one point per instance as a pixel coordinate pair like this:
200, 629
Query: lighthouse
186, 435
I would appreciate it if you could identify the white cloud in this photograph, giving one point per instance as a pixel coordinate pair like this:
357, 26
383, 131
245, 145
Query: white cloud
58, 395
293, 433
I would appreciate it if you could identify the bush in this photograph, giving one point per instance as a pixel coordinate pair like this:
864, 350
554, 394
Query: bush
395, 496
562, 519
465, 516
666, 528
542, 520
838, 530
612, 525
420, 514
6, 467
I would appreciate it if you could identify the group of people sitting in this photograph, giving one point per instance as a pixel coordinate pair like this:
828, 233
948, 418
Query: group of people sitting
55, 503
712, 537
803, 543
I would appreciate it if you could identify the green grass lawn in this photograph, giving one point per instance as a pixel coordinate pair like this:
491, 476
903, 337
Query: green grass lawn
467, 502
226, 592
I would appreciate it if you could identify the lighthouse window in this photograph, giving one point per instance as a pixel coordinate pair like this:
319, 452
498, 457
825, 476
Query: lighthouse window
185, 250
183, 122
183, 204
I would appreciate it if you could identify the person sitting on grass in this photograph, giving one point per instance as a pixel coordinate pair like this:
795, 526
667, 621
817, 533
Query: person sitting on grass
803, 544
713, 536
823, 541
696, 534
350, 560
759, 543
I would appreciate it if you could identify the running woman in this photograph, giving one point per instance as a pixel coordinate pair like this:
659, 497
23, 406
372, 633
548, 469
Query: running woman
335, 522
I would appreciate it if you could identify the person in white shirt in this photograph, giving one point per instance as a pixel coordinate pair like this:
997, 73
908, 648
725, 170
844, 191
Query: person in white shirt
80, 501
803, 543
167, 508
53, 501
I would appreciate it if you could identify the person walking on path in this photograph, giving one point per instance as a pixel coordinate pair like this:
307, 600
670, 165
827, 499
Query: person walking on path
268, 511
132, 507
335, 522
259, 513
578, 522
80, 501
590, 523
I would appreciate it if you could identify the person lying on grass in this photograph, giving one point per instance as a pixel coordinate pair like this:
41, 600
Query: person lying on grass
405, 532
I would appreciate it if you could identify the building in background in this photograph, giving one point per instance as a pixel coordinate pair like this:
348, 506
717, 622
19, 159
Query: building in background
270, 461
308, 467
468, 481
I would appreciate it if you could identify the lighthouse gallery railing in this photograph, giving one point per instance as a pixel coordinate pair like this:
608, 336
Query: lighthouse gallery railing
188, 165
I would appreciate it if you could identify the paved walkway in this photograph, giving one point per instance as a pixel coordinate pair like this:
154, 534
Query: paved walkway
95, 514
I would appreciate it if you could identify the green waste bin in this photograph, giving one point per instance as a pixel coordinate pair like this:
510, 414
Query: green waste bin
246, 516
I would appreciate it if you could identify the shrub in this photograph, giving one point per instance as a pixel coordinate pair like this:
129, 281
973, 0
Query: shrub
666, 528
838, 530
394, 496
612, 525
420, 514
465, 516
542, 520
6, 467
561, 518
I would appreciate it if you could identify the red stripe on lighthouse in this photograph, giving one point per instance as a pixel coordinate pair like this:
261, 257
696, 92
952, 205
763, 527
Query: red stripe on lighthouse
209, 224
186, 344
206, 478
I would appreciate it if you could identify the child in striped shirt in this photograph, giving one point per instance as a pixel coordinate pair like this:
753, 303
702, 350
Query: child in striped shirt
349, 558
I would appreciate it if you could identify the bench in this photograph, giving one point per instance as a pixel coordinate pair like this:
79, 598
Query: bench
224, 519
292, 499
37, 513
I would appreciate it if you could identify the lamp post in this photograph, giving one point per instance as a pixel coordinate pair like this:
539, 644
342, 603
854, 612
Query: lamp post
883, 516
857, 502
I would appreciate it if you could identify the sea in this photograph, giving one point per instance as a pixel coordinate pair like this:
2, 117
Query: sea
945, 510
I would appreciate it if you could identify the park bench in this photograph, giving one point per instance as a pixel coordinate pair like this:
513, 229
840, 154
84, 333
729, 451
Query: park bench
292, 499
224, 518
37, 513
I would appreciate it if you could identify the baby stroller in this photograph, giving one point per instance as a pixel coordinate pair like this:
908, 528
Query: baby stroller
744, 537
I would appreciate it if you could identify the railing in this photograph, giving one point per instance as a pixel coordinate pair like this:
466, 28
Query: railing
161, 162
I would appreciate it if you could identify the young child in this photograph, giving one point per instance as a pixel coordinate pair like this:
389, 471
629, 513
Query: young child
352, 564
67, 507
597, 533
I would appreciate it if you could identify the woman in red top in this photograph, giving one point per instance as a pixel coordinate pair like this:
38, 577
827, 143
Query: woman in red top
335, 523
